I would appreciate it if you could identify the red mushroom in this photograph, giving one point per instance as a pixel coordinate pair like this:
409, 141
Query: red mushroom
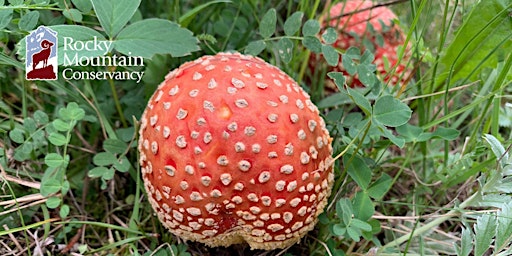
233, 150
353, 29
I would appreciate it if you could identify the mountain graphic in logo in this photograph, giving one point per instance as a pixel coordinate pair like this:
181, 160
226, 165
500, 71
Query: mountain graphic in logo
41, 47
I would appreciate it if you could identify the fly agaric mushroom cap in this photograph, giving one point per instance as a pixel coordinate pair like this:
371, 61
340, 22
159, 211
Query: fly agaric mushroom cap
351, 18
232, 150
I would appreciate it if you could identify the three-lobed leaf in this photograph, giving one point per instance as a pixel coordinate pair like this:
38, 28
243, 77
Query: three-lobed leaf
114, 15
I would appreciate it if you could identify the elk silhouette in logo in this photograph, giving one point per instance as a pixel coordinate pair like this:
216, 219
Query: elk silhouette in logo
44, 72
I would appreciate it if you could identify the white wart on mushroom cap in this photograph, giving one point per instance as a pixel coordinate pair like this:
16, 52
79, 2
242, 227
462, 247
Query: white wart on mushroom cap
233, 150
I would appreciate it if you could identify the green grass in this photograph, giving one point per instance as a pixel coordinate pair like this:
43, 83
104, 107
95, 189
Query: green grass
431, 178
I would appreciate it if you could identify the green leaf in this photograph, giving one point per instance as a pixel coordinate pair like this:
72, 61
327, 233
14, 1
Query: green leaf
148, 37
292, 23
339, 229
331, 55
366, 76
446, 133
358, 170
50, 186
72, 112
497, 148
54, 160
73, 14
61, 125
285, 49
330, 35
349, 65
466, 243
104, 159
338, 78
359, 99
29, 20
391, 112
84, 6
504, 228
17, 135
367, 58
40, 117
410, 132
486, 29
30, 125
114, 146
268, 23
363, 206
53, 202
189, 16
380, 187
64, 211
123, 165
354, 233
484, 232
312, 43
311, 28
57, 139
344, 210
97, 172
5, 17
114, 15
384, 131
255, 47
360, 224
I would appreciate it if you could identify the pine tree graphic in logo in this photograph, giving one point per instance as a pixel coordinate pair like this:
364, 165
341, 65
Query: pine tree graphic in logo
41, 47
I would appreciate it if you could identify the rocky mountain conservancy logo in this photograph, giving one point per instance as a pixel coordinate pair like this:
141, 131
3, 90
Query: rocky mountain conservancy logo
41, 55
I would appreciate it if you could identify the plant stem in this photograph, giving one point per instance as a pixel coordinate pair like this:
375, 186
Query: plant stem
434, 223
117, 103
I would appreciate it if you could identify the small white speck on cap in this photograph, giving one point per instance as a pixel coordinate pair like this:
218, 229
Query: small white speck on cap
288, 149
197, 150
272, 103
299, 104
283, 98
215, 193
280, 185
209, 67
266, 200
241, 103
154, 147
264, 176
174, 90
170, 170
167, 105
277, 82
255, 209
232, 90
189, 169
166, 132
304, 158
239, 186
301, 134
280, 202
212, 84
194, 134
291, 186
194, 211
225, 178
153, 120
239, 147
272, 154
228, 68
294, 118
244, 165
249, 130
207, 138
201, 121
205, 180
272, 117
286, 169
258, 75
233, 126
159, 95
184, 185
181, 142
222, 160
272, 139
195, 196
312, 125
208, 105
313, 152
193, 93
261, 85
287, 217
181, 114
256, 148
197, 76
237, 83
252, 197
